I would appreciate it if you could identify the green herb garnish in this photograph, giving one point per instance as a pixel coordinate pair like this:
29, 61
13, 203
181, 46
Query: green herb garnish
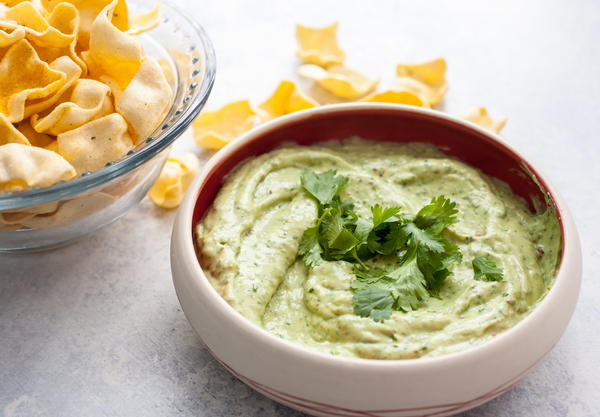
420, 254
486, 270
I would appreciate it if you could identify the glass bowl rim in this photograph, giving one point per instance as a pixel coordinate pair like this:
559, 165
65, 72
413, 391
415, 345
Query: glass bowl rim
155, 144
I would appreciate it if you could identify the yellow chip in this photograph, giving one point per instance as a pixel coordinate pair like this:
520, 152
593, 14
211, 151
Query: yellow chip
146, 100
52, 146
173, 181
70, 72
168, 71
114, 53
70, 211
183, 62
215, 129
92, 145
8, 36
88, 11
481, 117
17, 216
27, 213
35, 138
344, 82
286, 99
57, 30
88, 100
319, 45
398, 97
144, 22
24, 166
23, 76
427, 80
10, 134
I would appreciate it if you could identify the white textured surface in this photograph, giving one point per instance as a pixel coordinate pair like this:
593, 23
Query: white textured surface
95, 329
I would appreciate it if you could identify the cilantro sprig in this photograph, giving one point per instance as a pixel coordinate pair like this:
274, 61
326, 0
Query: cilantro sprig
485, 269
423, 256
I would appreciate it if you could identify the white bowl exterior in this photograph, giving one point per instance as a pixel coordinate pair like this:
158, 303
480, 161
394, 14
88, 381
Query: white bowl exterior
454, 382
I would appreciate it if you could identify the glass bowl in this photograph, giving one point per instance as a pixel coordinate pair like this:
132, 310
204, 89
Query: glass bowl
43, 218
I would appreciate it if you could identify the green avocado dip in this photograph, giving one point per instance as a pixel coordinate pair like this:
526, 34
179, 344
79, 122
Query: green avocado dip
249, 241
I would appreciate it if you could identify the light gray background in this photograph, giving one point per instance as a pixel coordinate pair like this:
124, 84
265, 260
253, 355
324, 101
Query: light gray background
95, 329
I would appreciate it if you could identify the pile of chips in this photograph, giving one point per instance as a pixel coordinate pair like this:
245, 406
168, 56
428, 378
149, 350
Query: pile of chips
323, 62
76, 89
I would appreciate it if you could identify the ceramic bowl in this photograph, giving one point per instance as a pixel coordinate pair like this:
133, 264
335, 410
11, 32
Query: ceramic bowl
325, 385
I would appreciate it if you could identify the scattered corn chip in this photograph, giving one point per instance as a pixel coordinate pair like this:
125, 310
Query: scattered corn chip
319, 45
89, 99
481, 117
24, 166
426, 80
215, 129
398, 97
10, 134
173, 181
145, 100
286, 99
113, 52
92, 145
344, 82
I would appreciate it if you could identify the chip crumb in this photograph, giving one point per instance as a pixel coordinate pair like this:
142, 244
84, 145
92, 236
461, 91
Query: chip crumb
319, 46
426, 80
287, 98
480, 116
174, 179
397, 97
215, 129
342, 81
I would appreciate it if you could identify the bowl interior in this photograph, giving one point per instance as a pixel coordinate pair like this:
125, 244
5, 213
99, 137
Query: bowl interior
387, 123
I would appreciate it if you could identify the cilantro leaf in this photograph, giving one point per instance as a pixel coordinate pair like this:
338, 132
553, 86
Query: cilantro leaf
437, 215
381, 214
387, 239
374, 302
385, 236
309, 248
362, 229
323, 186
435, 265
409, 286
366, 277
423, 238
344, 242
486, 270
331, 225
406, 285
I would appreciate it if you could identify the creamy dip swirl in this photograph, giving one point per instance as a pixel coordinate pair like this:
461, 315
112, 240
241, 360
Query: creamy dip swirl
248, 244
